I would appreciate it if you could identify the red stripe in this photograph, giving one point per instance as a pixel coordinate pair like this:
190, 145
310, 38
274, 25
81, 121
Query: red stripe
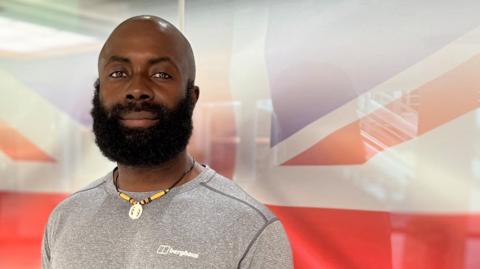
19, 148
330, 238
420, 111
22, 220
334, 238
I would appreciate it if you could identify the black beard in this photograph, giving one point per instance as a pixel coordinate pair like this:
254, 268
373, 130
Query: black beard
142, 146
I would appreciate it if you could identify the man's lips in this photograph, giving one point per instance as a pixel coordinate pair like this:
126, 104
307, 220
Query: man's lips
138, 119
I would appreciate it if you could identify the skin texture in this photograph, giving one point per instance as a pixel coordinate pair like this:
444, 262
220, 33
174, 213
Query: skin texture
146, 59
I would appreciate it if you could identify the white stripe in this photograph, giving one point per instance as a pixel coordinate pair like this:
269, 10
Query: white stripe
410, 79
433, 173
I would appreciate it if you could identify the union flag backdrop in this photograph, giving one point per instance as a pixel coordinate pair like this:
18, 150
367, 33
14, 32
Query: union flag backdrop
356, 122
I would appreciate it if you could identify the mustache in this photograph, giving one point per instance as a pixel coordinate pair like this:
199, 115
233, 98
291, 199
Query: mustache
117, 111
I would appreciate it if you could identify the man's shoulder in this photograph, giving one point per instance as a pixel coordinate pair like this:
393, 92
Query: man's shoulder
73, 207
231, 197
77, 199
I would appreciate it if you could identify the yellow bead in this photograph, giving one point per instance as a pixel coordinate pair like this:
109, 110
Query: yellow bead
157, 195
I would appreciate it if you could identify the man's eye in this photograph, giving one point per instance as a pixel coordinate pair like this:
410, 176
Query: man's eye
118, 74
162, 75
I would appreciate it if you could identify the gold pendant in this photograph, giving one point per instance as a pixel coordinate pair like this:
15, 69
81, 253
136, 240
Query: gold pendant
135, 211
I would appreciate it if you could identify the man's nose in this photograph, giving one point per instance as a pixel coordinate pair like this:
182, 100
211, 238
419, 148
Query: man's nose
138, 91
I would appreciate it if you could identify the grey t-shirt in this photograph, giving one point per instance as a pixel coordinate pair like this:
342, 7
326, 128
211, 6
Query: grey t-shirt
208, 222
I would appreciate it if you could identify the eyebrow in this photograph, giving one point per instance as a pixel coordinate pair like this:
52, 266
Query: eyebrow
164, 59
160, 60
116, 58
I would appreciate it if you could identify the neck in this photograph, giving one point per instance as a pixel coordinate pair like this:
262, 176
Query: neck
153, 178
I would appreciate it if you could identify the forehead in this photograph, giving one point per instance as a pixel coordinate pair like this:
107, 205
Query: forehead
143, 40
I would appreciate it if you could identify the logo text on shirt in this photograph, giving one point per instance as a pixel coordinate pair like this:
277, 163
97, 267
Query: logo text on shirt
168, 250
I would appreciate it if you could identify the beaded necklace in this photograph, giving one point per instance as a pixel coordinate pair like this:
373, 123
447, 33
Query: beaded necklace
136, 209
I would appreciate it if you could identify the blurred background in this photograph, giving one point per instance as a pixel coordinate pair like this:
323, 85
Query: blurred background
356, 122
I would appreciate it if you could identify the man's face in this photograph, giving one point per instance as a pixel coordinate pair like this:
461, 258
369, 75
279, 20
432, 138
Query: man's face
142, 109
142, 146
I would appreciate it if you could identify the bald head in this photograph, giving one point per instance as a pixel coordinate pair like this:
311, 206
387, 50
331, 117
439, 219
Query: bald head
141, 34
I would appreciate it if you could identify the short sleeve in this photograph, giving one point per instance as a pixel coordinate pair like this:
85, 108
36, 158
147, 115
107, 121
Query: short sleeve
45, 250
270, 249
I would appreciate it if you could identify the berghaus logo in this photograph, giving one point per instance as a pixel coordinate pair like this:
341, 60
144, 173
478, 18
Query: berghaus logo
168, 250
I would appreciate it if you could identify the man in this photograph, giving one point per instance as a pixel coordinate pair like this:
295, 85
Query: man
158, 208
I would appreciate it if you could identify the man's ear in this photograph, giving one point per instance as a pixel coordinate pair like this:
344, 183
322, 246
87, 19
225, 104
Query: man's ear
196, 94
